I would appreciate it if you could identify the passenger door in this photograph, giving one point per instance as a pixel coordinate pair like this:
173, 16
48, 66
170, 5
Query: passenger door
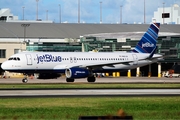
29, 59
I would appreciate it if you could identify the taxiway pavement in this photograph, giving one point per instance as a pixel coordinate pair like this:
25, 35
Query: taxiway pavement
89, 92
98, 80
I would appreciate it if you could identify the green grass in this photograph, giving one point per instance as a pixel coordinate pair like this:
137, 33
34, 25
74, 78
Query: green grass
88, 85
71, 108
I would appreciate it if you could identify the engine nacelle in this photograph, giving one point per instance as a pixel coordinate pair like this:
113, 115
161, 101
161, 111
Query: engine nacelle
77, 73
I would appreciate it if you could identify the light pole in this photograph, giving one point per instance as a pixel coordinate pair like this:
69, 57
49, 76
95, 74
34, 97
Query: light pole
47, 15
59, 13
78, 11
144, 12
23, 12
37, 10
100, 12
25, 25
121, 14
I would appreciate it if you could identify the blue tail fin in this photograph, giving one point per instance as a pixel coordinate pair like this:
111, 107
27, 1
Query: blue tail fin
147, 44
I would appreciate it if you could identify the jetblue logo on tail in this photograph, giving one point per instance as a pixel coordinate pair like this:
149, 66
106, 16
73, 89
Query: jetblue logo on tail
147, 45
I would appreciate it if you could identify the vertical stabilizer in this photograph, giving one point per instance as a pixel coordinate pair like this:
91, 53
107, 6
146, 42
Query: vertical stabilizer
147, 44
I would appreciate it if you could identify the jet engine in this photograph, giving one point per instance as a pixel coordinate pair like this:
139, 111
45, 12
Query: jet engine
77, 72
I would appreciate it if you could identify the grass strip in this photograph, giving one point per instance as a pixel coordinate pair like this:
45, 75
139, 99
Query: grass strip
88, 85
71, 108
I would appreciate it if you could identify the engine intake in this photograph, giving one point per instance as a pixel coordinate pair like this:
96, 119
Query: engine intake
77, 73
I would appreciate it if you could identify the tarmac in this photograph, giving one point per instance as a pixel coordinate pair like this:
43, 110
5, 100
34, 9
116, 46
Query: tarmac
98, 80
15, 93
88, 92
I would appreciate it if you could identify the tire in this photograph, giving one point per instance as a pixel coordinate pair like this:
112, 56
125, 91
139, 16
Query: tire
69, 80
91, 79
24, 80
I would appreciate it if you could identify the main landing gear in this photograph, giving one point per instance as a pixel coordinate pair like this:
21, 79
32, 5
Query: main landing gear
25, 80
89, 79
69, 80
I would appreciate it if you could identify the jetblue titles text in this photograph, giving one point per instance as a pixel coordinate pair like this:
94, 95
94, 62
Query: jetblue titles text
48, 58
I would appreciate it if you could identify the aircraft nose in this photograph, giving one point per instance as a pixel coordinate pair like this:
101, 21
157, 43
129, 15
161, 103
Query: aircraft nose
4, 65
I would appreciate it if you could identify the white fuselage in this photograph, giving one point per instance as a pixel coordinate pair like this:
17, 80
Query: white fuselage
37, 62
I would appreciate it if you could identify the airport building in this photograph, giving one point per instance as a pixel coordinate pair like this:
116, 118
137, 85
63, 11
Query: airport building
6, 15
68, 37
84, 37
167, 15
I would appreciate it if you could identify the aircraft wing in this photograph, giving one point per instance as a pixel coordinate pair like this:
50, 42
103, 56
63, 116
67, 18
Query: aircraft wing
90, 65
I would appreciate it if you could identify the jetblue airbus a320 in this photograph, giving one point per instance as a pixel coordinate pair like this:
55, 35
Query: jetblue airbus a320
85, 64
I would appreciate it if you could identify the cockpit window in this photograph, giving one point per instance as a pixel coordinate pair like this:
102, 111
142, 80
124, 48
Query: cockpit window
14, 58
10, 58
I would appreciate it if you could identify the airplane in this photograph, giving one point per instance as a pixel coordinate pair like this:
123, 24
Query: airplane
77, 65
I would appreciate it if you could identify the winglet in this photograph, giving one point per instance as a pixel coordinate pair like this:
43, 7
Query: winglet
147, 44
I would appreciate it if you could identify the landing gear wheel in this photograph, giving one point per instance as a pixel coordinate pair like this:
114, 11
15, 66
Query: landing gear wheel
69, 80
25, 80
91, 79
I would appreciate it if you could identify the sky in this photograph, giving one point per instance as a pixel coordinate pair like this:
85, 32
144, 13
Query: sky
132, 10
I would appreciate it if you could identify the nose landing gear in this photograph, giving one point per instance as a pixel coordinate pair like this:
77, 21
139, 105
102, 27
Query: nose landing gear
25, 80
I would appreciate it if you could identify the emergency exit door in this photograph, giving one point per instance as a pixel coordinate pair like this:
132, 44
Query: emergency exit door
135, 59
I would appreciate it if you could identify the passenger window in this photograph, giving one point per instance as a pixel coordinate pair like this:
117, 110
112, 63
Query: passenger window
18, 59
